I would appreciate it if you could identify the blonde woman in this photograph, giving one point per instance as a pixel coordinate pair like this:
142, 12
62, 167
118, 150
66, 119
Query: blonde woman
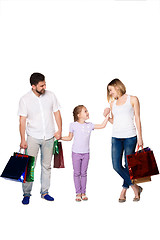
124, 108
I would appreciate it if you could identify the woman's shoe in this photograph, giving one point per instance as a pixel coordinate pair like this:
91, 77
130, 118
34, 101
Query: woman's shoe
137, 199
122, 200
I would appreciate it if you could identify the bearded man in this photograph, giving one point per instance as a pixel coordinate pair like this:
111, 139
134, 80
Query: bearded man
37, 110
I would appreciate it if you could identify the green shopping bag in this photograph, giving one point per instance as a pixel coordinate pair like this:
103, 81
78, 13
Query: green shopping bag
58, 155
30, 170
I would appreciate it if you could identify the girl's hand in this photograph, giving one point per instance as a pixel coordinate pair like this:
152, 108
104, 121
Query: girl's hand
106, 111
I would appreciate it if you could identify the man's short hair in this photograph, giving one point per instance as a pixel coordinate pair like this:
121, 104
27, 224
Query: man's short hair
35, 78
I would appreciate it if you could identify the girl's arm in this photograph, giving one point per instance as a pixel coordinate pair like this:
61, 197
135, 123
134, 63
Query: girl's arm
102, 125
67, 138
136, 105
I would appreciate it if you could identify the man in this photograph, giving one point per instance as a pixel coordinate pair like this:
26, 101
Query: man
36, 110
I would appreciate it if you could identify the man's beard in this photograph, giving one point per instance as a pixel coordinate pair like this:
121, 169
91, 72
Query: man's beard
41, 92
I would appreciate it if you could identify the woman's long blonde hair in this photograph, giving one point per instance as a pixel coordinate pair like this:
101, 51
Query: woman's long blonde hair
119, 86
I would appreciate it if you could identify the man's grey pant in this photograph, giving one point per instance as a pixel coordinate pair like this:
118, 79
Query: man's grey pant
46, 148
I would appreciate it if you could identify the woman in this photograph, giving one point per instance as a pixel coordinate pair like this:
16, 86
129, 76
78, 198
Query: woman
124, 137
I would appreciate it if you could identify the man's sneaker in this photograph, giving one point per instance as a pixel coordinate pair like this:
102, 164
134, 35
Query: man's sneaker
25, 200
47, 197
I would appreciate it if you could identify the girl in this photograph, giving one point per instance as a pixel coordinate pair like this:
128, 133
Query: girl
124, 137
81, 130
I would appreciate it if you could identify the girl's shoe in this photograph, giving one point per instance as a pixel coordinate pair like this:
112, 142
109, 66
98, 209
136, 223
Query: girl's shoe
78, 198
136, 199
84, 197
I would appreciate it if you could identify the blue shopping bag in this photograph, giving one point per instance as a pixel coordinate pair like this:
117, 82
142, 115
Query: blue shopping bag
20, 168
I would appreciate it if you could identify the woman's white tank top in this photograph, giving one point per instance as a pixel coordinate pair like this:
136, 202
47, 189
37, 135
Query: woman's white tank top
123, 122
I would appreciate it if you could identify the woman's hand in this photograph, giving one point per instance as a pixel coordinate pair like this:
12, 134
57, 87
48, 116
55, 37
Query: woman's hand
106, 111
140, 142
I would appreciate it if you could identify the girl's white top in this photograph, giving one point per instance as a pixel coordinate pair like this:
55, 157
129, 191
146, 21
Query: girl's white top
123, 124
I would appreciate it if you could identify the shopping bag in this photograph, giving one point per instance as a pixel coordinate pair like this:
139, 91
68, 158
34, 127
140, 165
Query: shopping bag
141, 180
29, 171
142, 164
58, 155
20, 168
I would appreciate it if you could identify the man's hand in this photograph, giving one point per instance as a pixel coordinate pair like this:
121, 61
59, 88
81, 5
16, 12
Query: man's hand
58, 135
23, 145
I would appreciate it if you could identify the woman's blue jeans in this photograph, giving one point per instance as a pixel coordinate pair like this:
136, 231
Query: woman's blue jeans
120, 145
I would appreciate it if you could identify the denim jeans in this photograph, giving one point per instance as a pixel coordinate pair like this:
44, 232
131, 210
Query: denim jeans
120, 146
46, 148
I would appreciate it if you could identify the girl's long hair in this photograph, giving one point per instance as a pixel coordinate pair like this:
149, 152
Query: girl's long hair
76, 111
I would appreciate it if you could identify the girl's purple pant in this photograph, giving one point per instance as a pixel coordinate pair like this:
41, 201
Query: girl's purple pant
80, 165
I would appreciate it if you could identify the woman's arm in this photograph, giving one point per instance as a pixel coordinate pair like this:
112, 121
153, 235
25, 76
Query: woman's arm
109, 119
67, 138
102, 125
136, 105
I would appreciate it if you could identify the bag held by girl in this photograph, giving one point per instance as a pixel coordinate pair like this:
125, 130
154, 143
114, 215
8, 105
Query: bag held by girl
58, 155
20, 168
142, 164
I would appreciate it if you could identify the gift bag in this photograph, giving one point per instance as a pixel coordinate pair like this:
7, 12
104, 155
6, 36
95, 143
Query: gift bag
58, 155
142, 164
29, 171
141, 180
20, 167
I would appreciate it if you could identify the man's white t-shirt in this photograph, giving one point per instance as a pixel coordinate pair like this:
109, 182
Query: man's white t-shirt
39, 113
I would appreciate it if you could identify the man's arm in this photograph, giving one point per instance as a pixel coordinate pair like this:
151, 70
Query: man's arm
22, 129
58, 119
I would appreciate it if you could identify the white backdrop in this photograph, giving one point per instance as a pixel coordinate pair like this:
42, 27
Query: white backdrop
80, 46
